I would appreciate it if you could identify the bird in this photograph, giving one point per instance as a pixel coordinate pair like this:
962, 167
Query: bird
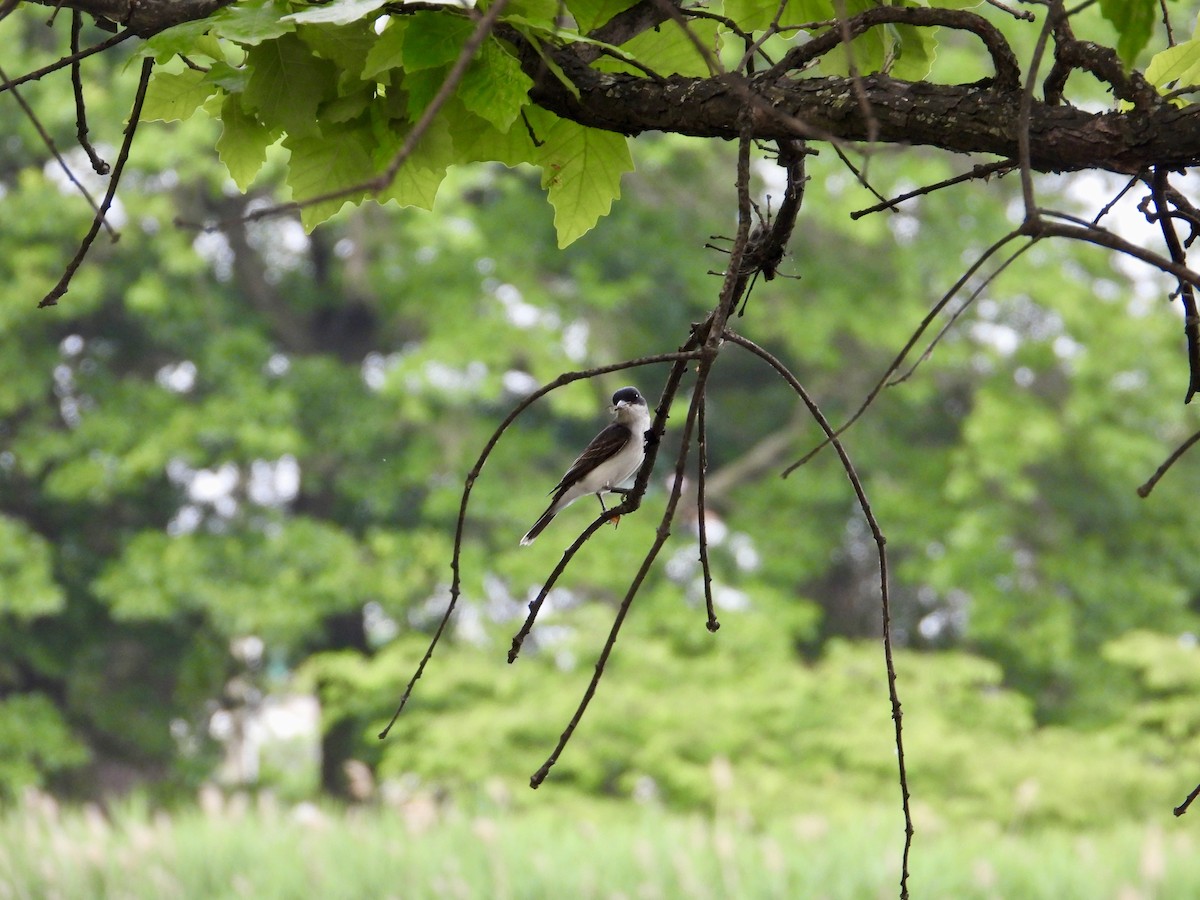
613, 456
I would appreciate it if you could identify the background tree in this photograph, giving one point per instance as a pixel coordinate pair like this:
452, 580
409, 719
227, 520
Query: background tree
268, 437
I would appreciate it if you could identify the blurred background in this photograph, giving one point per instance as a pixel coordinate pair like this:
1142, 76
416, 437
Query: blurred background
231, 462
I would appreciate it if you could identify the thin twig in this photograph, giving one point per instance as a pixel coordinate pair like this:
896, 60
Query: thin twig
981, 171
1166, 18
1145, 489
1187, 293
1025, 111
1183, 807
904, 351
954, 317
660, 538
1025, 14
535, 605
860, 177
81, 128
66, 61
53, 148
710, 332
135, 116
885, 599
702, 514
456, 581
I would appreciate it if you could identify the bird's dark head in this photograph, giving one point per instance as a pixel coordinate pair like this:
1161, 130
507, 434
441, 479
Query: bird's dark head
629, 408
628, 396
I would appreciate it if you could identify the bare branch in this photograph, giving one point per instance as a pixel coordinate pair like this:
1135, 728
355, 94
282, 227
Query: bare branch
885, 601
53, 148
81, 129
702, 514
904, 351
1145, 489
1187, 293
135, 116
38, 74
456, 581
1002, 167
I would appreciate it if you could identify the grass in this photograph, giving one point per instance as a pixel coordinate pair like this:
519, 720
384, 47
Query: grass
260, 849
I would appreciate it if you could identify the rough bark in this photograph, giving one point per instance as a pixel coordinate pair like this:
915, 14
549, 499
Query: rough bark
967, 118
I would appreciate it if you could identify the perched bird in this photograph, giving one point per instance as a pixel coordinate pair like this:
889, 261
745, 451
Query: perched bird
613, 456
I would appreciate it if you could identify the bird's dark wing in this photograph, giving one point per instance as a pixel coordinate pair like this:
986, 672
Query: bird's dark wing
603, 446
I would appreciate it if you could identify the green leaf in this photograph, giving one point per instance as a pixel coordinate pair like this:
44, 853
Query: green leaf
755, 15
344, 109
581, 170
434, 39
590, 14
338, 159
1180, 63
494, 87
177, 39
174, 96
916, 49
253, 22
339, 12
867, 52
287, 84
345, 45
421, 86
418, 179
478, 140
387, 51
1134, 23
243, 143
668, 50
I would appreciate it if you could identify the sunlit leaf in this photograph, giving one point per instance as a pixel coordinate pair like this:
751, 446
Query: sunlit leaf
495, 87
253, 22
581, 170
337, 12
243, 143
173, 96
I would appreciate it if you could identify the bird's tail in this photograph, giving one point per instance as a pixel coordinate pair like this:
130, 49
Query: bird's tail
540, 524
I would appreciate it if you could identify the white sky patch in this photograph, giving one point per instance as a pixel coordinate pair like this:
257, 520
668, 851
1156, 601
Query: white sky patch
518, 383
1001, 338
179, 378
274, 483
1124, 382
282, 243
375, 368
575, 340
213, 485
278, 365
745, 555
905, 228
213, 247
516, 310
447, 378
1066, 347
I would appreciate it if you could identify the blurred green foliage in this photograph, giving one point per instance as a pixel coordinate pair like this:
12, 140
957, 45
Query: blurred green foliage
246, 432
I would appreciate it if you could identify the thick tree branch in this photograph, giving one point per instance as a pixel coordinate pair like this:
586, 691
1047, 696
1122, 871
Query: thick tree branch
142, 17
969, 118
